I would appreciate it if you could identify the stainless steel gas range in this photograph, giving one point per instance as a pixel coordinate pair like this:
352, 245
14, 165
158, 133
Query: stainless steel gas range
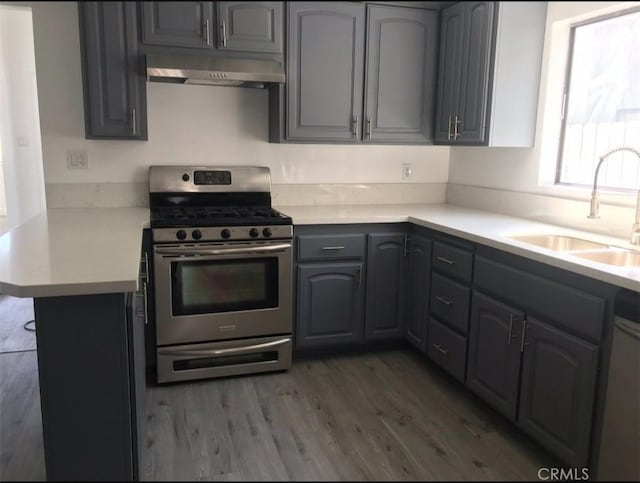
223, 272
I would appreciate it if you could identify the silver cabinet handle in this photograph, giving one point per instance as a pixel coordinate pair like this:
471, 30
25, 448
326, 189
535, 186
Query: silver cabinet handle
449, 130
369, 128
441, 349
146, 266
446, 260
223, 27
354, 126
510, 328
220, 352
406, 244
330, 249
455, 128
144, 293
443, 300
524, 332
359, 277
207, 34
133, 121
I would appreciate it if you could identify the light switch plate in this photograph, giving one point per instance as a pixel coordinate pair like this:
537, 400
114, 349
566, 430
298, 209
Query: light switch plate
78, 159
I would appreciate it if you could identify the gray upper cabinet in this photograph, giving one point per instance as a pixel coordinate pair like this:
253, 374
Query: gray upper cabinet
557, 390
418, 290
250, 26
493, 370
402, 51
325, 58
178, 24
330, 304
385, 286
489, 74
114, 83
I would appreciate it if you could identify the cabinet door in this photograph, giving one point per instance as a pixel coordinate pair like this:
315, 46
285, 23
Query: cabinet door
493, 370
419, 278
402, 51
473, 100
137, 378
557, 391
330, 304
451, 39
385, 286
325, 58
114, 83
178, 24
250, 26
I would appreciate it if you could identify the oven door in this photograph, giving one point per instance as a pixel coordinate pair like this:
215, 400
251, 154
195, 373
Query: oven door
220, 291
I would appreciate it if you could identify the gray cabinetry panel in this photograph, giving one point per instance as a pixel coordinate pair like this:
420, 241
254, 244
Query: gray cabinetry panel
331, 246
474, 89
402, 50
250, 26
385, 286
330, 304
451, 39
325, 57
493, 371
113, 81
178, 24
453, 261
418, 290
450, 302
557, 394
447, 348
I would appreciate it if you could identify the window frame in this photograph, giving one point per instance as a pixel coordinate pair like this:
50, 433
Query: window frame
566, 95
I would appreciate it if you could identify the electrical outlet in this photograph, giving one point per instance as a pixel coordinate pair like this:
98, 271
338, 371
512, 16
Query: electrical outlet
407, 170
77, 159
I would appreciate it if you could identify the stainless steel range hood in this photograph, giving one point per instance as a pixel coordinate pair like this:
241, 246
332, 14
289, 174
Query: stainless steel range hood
217, 71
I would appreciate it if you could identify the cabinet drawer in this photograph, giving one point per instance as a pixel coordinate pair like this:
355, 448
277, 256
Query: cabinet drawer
450, 302
572, 309
453, 261
447, 348
334, 247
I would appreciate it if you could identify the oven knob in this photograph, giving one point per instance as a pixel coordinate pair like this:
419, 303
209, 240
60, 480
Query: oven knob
181, 235
225, 233
266, 232
254, 233
196, 234
185, 177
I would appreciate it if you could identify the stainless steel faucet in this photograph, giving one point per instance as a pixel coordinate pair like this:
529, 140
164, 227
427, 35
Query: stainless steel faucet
595, 203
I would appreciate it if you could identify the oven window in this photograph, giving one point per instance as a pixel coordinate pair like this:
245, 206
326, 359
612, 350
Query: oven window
203, 287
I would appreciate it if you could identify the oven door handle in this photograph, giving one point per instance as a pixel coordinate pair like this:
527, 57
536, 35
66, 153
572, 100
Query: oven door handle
221, 352
223, 251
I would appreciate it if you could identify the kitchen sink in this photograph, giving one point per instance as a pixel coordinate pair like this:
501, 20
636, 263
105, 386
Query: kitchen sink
617, 257
559, 243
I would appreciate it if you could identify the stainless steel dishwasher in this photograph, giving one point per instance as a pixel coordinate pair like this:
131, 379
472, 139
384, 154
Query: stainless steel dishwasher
620, 444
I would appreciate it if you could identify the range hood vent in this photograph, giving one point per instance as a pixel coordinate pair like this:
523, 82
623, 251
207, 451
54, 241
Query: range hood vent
194, 69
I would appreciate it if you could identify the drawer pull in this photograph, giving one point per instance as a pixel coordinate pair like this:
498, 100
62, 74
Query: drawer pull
446, 260
328, 249
443, 300
441, 349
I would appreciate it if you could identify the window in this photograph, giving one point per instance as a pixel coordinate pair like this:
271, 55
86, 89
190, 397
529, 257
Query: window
602, 103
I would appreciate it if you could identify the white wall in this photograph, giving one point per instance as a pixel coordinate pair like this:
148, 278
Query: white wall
496, 177
193, 125
19, 121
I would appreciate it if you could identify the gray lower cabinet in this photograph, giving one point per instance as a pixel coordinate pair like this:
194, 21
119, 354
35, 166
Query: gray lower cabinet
557, 390
330, 304
385, 306
250, 26
419, 272
325, 58
178, 24
493, 370
402, 53
114, 84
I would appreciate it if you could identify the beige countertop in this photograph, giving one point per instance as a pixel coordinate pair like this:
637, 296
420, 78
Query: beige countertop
481, 227
80, 251
73, 252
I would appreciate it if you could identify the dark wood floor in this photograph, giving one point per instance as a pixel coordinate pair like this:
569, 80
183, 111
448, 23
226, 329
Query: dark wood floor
379, 416
383, 416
